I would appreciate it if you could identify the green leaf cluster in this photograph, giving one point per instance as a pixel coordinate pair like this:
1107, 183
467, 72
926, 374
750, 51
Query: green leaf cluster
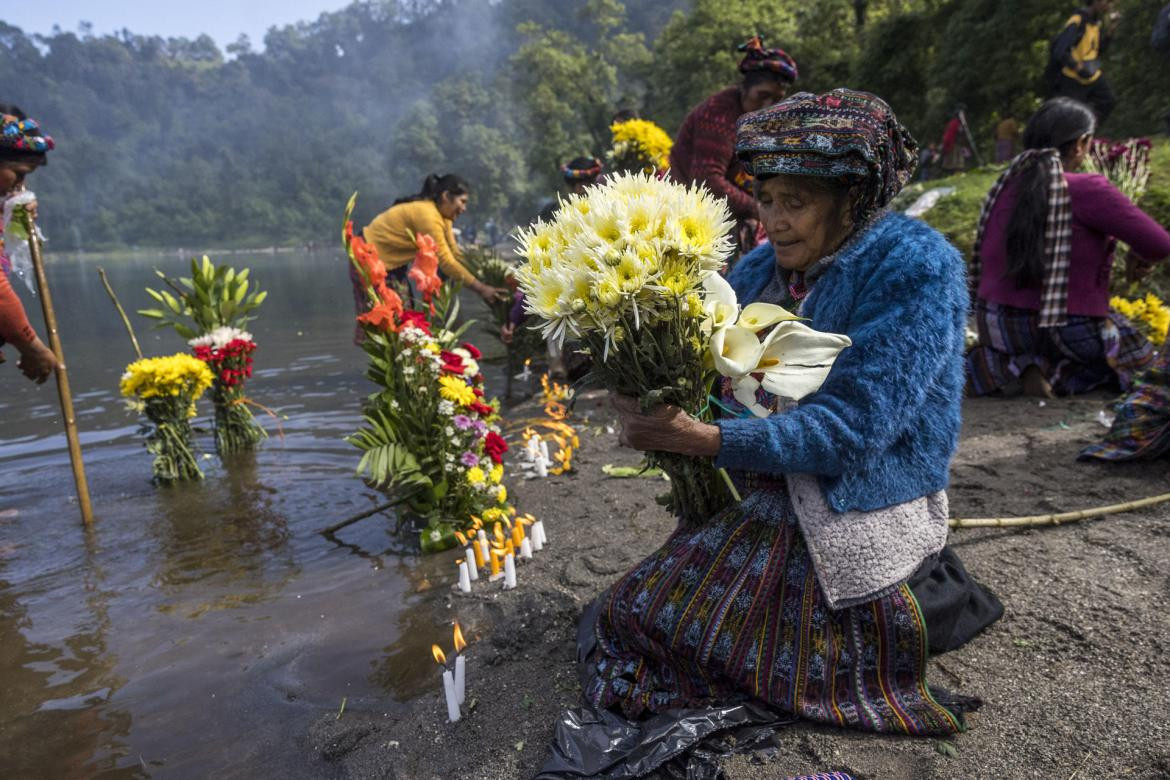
211, 297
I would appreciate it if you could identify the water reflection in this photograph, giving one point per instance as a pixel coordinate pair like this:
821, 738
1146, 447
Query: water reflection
216, 603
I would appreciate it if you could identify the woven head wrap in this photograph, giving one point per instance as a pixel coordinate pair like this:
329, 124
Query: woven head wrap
841, 134
581, 169
22, 139
757, 58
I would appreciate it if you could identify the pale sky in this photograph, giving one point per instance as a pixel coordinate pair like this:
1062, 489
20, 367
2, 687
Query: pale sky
223, 20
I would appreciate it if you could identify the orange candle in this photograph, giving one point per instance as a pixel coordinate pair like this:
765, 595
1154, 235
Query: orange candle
495, 563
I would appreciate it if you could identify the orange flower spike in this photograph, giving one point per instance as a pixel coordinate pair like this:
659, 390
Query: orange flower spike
383, 317
424, 270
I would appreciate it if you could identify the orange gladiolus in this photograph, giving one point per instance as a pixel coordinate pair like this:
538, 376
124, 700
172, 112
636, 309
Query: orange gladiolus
384, 316
424, 271
366, 256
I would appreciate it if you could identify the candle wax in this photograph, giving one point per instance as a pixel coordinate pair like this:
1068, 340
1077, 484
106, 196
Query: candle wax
464, 577
473, 554
509, 571
460, 679
449, 694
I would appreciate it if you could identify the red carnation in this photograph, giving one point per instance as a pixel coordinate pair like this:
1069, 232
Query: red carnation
416, 319
482, 409
475, 353
452, 363
495, 446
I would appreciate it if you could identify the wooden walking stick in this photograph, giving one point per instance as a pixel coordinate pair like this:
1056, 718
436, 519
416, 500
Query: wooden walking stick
34, 246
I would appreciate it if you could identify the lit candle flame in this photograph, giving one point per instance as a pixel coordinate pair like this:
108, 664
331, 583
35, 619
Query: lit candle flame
462, 539
440, 658
460, 644
499, 533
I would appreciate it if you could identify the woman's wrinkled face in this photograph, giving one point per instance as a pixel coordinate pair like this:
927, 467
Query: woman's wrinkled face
804, 223
12, 176
451, 205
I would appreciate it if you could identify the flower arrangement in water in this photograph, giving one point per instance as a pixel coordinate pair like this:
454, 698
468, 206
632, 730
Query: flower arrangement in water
228, 352
209, 309
639, 146
1148, 314
165, 389
632, 269
431, 436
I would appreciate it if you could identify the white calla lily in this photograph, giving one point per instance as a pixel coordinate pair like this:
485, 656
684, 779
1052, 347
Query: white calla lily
720, 302
796, 359
757, 316
736, 351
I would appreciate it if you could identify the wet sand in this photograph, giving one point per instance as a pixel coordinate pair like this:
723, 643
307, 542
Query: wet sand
1073, 678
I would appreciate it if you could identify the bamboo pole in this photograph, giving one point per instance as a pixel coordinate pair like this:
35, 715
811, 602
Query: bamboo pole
1057, 519
121, 312
63, 392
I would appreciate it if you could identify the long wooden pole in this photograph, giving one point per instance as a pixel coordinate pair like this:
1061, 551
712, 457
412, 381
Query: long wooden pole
1057, 519
63, 392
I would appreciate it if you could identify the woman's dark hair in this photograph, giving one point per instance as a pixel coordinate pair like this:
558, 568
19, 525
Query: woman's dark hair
12, 110
755, 77
435, 185
1059, 124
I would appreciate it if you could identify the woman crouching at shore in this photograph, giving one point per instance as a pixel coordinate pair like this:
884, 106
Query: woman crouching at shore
823, 592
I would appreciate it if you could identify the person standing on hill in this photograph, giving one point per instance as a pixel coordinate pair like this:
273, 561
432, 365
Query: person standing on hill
704, 147
23, 149
1075, 67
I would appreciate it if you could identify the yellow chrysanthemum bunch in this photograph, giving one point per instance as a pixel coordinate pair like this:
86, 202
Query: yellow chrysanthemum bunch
629, 253
1149, 315
174, 375
640, 145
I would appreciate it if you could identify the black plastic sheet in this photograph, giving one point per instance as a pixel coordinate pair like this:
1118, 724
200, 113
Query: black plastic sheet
686, 744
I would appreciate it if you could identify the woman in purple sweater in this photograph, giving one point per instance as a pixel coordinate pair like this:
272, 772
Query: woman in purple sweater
1041, 268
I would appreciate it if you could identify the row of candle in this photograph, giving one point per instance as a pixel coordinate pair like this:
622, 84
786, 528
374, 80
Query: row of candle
454, 676
500, 554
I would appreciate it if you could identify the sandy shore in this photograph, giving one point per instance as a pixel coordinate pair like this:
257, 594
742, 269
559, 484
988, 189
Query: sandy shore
1074, 678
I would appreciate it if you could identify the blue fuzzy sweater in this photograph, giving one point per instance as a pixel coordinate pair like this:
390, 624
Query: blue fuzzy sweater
883, 427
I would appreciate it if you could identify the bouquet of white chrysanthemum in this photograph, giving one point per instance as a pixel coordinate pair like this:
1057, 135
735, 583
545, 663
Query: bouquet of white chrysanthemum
622, 269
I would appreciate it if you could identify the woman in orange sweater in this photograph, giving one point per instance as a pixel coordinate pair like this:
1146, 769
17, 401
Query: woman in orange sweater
431, 212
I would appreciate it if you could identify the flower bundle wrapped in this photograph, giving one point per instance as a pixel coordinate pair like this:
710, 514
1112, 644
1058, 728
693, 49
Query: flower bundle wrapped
431, 436
165, 389
1125, 163
622, 269
228, 353
639, 146
1149, 315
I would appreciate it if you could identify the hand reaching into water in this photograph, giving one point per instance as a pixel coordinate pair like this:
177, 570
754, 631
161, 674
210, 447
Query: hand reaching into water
37, 361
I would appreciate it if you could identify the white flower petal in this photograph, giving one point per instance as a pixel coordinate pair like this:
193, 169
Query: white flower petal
757, 316
736, 351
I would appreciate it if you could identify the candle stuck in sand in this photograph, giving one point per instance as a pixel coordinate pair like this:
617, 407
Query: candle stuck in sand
448, 684
464, 575
460, 666
509, 571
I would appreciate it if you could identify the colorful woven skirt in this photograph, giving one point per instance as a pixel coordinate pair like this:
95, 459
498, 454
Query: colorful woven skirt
1141, 426
733, 608
1086, 354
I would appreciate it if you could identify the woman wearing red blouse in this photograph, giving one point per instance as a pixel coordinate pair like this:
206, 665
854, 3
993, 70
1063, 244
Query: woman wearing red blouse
22, 150
1042, 263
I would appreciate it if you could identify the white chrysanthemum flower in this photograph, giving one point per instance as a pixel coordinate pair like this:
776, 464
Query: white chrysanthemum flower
220, 337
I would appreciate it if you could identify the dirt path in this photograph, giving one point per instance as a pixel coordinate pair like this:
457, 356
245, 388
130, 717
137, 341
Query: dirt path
1074, 677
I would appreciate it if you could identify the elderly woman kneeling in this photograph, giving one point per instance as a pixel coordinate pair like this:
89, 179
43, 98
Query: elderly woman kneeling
823, 591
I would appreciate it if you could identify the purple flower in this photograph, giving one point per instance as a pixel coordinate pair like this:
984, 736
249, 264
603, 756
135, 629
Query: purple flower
480, 427
462, 422
469, 459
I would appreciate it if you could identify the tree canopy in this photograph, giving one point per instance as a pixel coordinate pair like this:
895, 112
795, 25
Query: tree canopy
173, 142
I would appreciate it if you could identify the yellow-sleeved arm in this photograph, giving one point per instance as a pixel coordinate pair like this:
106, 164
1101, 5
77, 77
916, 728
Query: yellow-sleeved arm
445, 240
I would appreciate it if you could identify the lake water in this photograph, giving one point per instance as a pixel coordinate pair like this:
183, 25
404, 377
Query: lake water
197, 630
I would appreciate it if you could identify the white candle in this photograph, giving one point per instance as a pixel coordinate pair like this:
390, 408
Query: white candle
464, 577
538, 533
449, 692
526, 548
460, 679
544, 451
541, 466
472, 569
509, 571
531, 449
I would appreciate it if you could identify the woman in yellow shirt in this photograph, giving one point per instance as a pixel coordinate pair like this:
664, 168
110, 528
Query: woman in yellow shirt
432, 212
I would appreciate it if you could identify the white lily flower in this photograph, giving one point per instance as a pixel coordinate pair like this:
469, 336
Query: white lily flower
757, 316
720, 303
796, 359
736, 351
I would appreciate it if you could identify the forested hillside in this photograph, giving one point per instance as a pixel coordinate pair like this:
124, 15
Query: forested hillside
173, 142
